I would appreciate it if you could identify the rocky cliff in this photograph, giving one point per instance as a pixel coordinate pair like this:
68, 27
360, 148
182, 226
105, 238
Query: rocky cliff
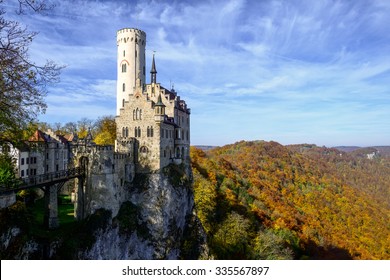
151, 224
157, 221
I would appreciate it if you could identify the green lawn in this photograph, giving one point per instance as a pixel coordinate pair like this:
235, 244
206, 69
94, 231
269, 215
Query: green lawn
65, 211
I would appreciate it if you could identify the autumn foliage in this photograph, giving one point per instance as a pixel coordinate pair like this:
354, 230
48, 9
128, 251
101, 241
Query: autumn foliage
262, 200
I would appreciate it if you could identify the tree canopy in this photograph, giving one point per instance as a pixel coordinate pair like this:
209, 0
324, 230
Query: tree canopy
23, 83
262, 200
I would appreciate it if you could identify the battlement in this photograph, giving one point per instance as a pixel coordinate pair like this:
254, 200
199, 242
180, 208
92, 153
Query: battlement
131, 30
131, 34
122, 155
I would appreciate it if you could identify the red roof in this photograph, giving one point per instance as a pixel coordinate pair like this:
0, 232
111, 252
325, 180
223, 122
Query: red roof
38, 136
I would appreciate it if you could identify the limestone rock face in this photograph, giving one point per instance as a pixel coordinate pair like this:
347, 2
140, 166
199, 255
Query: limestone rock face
160, 206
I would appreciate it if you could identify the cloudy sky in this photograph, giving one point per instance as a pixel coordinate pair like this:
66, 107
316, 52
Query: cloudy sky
289, 71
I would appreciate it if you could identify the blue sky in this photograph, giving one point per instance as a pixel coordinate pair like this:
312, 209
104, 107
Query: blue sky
288, 71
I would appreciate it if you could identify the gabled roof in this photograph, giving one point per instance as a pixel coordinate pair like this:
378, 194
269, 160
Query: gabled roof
39, 136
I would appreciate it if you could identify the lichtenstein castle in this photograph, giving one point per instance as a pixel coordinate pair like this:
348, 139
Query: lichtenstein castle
153, 123
153, 130
144, 181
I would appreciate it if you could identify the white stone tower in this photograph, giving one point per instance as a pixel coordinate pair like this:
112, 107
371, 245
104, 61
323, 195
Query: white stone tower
130, 63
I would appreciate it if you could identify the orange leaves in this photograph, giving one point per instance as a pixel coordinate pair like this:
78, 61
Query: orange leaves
323, 198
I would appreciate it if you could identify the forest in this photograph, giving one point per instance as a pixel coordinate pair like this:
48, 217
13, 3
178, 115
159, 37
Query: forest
262, 200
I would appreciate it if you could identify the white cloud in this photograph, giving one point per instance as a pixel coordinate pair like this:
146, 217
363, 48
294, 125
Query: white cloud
305, 67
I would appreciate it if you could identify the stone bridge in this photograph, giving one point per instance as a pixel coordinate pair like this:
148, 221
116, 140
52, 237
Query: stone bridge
50, 183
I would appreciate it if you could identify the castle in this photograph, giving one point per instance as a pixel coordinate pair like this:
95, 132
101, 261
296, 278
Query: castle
152, 131
153, 123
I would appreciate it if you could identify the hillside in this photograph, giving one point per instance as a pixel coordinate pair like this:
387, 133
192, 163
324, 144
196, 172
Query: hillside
262, 200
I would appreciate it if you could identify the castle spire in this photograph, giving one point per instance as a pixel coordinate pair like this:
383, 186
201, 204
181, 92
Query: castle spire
153, 72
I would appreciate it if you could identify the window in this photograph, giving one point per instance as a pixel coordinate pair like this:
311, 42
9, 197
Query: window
35, 160
139, 132
133, 115
148, 132
22, 161
22, 173
140, 114
123, 87
127, 132
124, 53
27, 160
124, 68
123, 132
123, 102
135, 132
151, 131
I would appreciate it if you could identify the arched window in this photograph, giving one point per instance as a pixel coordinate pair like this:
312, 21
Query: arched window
143, 150
136, 114
127, 132
124, 68
139, 132
135, 132
140, 114
123, 87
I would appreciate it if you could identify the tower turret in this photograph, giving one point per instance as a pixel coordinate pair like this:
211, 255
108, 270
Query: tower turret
159, 110
131, 44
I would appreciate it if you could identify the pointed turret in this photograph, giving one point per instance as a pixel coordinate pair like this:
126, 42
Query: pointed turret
159, 110
153, 72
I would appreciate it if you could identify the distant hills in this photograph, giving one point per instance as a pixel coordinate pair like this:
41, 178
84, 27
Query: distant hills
263, 200
383, 150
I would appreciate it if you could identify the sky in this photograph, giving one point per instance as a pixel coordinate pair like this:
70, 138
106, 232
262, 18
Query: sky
287, 71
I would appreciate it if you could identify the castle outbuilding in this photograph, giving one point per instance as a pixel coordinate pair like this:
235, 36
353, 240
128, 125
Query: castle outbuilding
153, 123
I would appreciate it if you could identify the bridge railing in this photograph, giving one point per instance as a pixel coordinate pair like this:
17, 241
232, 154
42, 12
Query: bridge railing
22, 183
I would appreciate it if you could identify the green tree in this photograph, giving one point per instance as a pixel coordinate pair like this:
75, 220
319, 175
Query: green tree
270, 246
23, 83
7, 170
232, 238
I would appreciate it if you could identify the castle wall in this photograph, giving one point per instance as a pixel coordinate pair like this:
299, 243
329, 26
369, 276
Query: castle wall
109, 175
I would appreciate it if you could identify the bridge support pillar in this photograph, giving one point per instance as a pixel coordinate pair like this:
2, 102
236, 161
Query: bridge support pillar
51, 207
79, 208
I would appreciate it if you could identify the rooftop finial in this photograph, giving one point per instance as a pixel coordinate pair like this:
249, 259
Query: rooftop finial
153, 71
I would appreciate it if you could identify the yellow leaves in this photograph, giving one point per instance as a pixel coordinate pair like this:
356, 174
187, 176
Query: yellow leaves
301, 193
104, 138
